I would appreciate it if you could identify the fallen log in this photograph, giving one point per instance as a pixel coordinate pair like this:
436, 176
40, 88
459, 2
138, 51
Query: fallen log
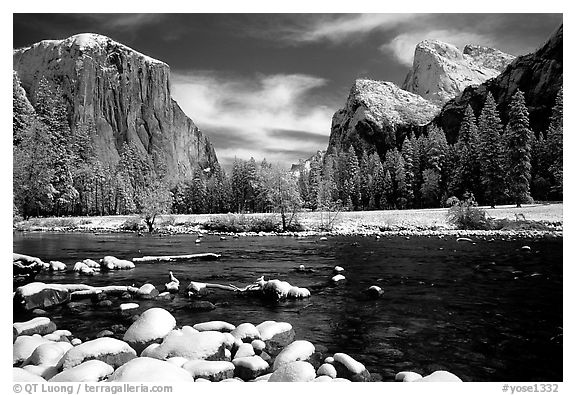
111, 290
171, 258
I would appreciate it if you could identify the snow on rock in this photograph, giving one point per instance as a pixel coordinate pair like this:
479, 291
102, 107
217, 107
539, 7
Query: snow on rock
144, 369
24, 346
248, 368
112, 351
407, 376
38, 325
258, 346
327, 369
40, 295
82, 268
298, 350
56, 266
178, 361
322, 379
91, 263
441, 71
48, 354
347, 367
264, 378
337, 278
152, 326
20, 375
89, 371
276, 335
113, 263
298, 293
297, 371
148, 351
44, 371
128, 306
210, 370
147, 291
191, 344
220, 326
245, 350
246, 332
61, 334
440, 376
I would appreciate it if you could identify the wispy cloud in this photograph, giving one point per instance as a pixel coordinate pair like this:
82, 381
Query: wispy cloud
125, 22
251, 110
339, 28
402, 46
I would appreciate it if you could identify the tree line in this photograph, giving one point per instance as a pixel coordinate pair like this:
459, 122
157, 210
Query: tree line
56, 171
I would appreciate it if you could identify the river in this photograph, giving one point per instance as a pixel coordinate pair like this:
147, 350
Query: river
488, 311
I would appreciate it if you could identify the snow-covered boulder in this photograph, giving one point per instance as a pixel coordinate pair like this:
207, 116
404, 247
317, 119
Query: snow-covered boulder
20, 375
407, 376
327, 369
39, 295
56, 266
58, 335
245, 350
178, 361
48, 354
44, 371
112, 351
299, 350
128, 306
246, 332
92, 264
82, 268
89, 371
258, 346
147, 291
276, 335
144, 369
113, 263
440, 376
219, 326
151, 327
24, 346
348, 368
297, 371
209, 345
210, 370
298, 293
248, 368
38, 325
322, 379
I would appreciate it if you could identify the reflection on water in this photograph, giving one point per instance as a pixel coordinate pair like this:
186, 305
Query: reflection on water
486, 311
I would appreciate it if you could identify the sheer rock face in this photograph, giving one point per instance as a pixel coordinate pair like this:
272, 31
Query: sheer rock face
538, 75
123, 93
377, 116
441, 71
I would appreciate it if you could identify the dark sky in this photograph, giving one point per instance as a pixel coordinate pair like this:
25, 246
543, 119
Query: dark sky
266, 85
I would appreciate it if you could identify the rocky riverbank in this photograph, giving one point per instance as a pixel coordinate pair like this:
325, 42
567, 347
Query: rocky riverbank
155, 348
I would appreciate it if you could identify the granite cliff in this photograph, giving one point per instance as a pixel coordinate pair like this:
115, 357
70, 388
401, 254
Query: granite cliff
124, 94
441, 71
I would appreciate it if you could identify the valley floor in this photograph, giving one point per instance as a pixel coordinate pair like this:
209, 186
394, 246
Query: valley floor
534, 219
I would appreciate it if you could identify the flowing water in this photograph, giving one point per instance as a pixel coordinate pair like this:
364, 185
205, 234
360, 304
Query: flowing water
487, 311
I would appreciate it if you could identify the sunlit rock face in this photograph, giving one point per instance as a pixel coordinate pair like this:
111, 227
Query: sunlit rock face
123, 94
441, 71
378, 115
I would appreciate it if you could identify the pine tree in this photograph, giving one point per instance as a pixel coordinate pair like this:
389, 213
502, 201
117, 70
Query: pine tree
23, 114
387, 196
314, 179
519, 139
554, 144
491, 152
466, 174
408, 156
352, 180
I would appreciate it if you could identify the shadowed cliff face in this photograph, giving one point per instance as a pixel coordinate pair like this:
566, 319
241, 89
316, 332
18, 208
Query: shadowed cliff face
124, 94
377, 116
539, 75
